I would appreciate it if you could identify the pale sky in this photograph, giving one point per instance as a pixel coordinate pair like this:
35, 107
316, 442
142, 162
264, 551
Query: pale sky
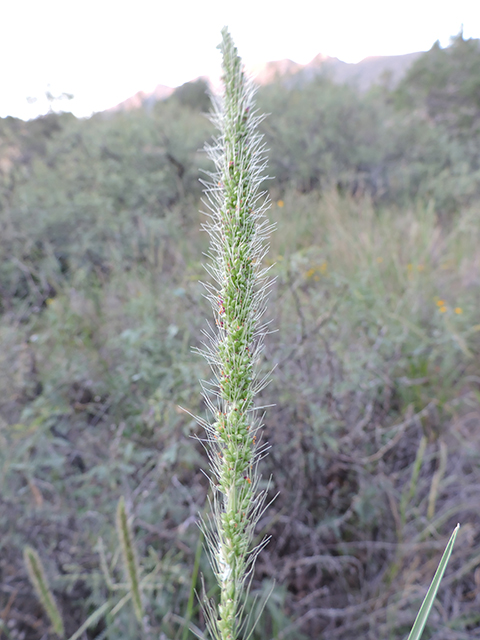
104, 51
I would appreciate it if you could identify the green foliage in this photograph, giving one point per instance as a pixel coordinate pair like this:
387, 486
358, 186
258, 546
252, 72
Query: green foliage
418, 141
446, 82
443, 87
194, 95
322, 133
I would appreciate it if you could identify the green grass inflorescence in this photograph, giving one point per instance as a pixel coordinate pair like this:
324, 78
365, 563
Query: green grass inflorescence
238, 233
37, 576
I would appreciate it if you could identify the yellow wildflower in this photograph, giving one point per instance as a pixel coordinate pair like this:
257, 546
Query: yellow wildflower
458, 310
280, 203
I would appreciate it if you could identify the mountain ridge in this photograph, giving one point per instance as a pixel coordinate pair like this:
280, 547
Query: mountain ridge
364, 74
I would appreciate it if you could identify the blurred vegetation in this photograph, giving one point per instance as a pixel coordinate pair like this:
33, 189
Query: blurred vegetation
375, 432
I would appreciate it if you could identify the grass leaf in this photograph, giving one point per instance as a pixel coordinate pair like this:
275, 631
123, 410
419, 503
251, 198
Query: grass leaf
422, 616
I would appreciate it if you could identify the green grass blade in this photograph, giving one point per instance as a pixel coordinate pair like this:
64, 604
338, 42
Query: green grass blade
191, 599
91, 620
132, 568
424, 612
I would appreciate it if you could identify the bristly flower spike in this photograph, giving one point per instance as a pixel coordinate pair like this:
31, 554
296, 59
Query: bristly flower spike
238, 231
37, 576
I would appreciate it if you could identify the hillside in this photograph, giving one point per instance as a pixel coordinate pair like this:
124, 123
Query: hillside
364, 74
143, 99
